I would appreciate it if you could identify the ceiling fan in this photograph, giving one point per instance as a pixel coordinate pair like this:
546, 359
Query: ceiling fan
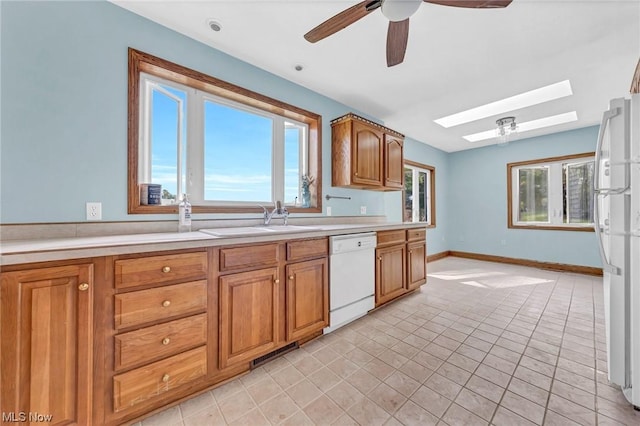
398, 13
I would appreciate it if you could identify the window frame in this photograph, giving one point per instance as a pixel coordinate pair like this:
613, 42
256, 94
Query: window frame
512, 199
140, 62
432, 191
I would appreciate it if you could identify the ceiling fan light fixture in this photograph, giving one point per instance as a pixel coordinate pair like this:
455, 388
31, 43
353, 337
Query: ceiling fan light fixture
399, 10
506, 127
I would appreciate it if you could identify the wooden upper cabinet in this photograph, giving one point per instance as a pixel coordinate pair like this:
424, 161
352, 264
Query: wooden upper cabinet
46, 343
393, 162
365, 155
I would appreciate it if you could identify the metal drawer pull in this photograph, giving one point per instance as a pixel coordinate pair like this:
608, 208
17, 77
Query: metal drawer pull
166, 341
165, 378
166, 269
83, 287
166, 303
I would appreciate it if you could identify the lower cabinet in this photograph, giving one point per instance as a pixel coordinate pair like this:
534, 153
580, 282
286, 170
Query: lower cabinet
307, 298
249, 315
400, 263
390, 273
46, 344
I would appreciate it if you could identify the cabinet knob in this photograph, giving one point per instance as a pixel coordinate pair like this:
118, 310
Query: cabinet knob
166, 269
166, 341
83, 287
166, 303
276, 281
290, 277
165, 378
379, 257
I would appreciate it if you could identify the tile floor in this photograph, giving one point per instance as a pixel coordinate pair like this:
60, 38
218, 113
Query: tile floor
480, 343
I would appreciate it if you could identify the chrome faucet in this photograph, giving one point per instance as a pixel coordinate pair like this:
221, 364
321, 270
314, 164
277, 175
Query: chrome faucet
278, 210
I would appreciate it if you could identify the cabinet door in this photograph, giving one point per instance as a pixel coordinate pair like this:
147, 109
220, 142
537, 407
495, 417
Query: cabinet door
248, 315
46, 340
393, 162
390, 273
307, 298
416, 265
366, 161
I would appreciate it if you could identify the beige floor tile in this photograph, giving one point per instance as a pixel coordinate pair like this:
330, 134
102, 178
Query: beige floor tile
343, 367
168, 417
387, 397
529, 391
324, 379
254, 418
574, 394
307, 365
454, 373
458, 416
416, 371
534, 378
363, 381
537, 366
412, 414
476, 404
443, 386
471, 352
264, 390
523, 407
208, 416
366, 412
344, 395
278, 408
303, 392
323, 410
584, 383
236, 406
198, 403
551, 418
571, 410
493, 375
504, 417
298, 419
431, 401
402, 383
505, 353
485, 388
623, 413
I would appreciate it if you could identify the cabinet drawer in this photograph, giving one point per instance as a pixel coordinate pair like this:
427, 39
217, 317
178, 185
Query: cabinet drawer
159, 341
143, 383
160, 269
391, 237
307, 249
416, 234
140, 307
234, 258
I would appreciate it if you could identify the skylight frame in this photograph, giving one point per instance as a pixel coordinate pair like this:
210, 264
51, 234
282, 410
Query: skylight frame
523, 100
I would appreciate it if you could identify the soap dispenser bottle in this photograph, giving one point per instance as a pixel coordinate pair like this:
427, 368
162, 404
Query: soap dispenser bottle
184, 215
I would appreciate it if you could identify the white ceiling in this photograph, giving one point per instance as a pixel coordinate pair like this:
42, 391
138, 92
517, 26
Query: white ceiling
456, 58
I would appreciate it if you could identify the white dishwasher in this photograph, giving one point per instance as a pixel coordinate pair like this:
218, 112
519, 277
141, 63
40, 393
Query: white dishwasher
351, 278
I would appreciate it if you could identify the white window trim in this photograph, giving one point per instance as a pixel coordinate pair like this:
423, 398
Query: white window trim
193, 183
415, 203
555, 204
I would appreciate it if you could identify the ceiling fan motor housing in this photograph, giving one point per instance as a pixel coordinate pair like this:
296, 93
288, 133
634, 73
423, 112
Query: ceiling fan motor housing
399, 10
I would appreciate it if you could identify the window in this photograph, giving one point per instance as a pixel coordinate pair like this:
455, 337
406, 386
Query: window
418, 202
228, 148
552, 193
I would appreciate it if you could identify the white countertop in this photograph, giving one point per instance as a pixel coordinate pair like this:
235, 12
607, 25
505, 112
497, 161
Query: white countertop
14, 252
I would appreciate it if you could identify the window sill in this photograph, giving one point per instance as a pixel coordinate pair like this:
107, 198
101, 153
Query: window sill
586, 228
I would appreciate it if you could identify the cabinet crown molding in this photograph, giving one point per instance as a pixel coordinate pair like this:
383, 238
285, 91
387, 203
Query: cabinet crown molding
352, 116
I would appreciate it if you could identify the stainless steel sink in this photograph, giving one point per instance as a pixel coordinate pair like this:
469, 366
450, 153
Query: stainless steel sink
256, 230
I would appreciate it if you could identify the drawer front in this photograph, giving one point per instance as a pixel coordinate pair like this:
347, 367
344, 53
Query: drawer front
307, 249
160, 269
159, 341
144, 383
416, 234
234, 258
391, 237
141, 307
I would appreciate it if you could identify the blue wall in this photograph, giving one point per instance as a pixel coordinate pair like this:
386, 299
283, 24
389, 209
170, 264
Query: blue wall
64, 133
477, 191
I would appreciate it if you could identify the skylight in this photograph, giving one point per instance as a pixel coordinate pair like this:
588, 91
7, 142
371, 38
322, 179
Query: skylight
523, 100
553, 120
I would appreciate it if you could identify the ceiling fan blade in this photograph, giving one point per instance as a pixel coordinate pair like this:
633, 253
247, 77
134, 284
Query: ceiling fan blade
397, 37
341, 20
475, 4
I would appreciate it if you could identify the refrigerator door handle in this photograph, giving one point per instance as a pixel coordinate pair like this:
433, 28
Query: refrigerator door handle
606, 265
608, 115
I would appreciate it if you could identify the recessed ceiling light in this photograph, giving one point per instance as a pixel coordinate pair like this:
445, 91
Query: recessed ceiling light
214, 25
553, 120
298, 67
523, 100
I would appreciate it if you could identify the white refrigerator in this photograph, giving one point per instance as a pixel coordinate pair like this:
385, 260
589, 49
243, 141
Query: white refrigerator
617, 225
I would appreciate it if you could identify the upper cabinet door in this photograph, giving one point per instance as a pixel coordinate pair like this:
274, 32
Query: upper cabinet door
393, 162
367, 155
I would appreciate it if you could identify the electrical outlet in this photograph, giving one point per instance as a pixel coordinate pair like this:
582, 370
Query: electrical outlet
328, 210
94, 211
363, 209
